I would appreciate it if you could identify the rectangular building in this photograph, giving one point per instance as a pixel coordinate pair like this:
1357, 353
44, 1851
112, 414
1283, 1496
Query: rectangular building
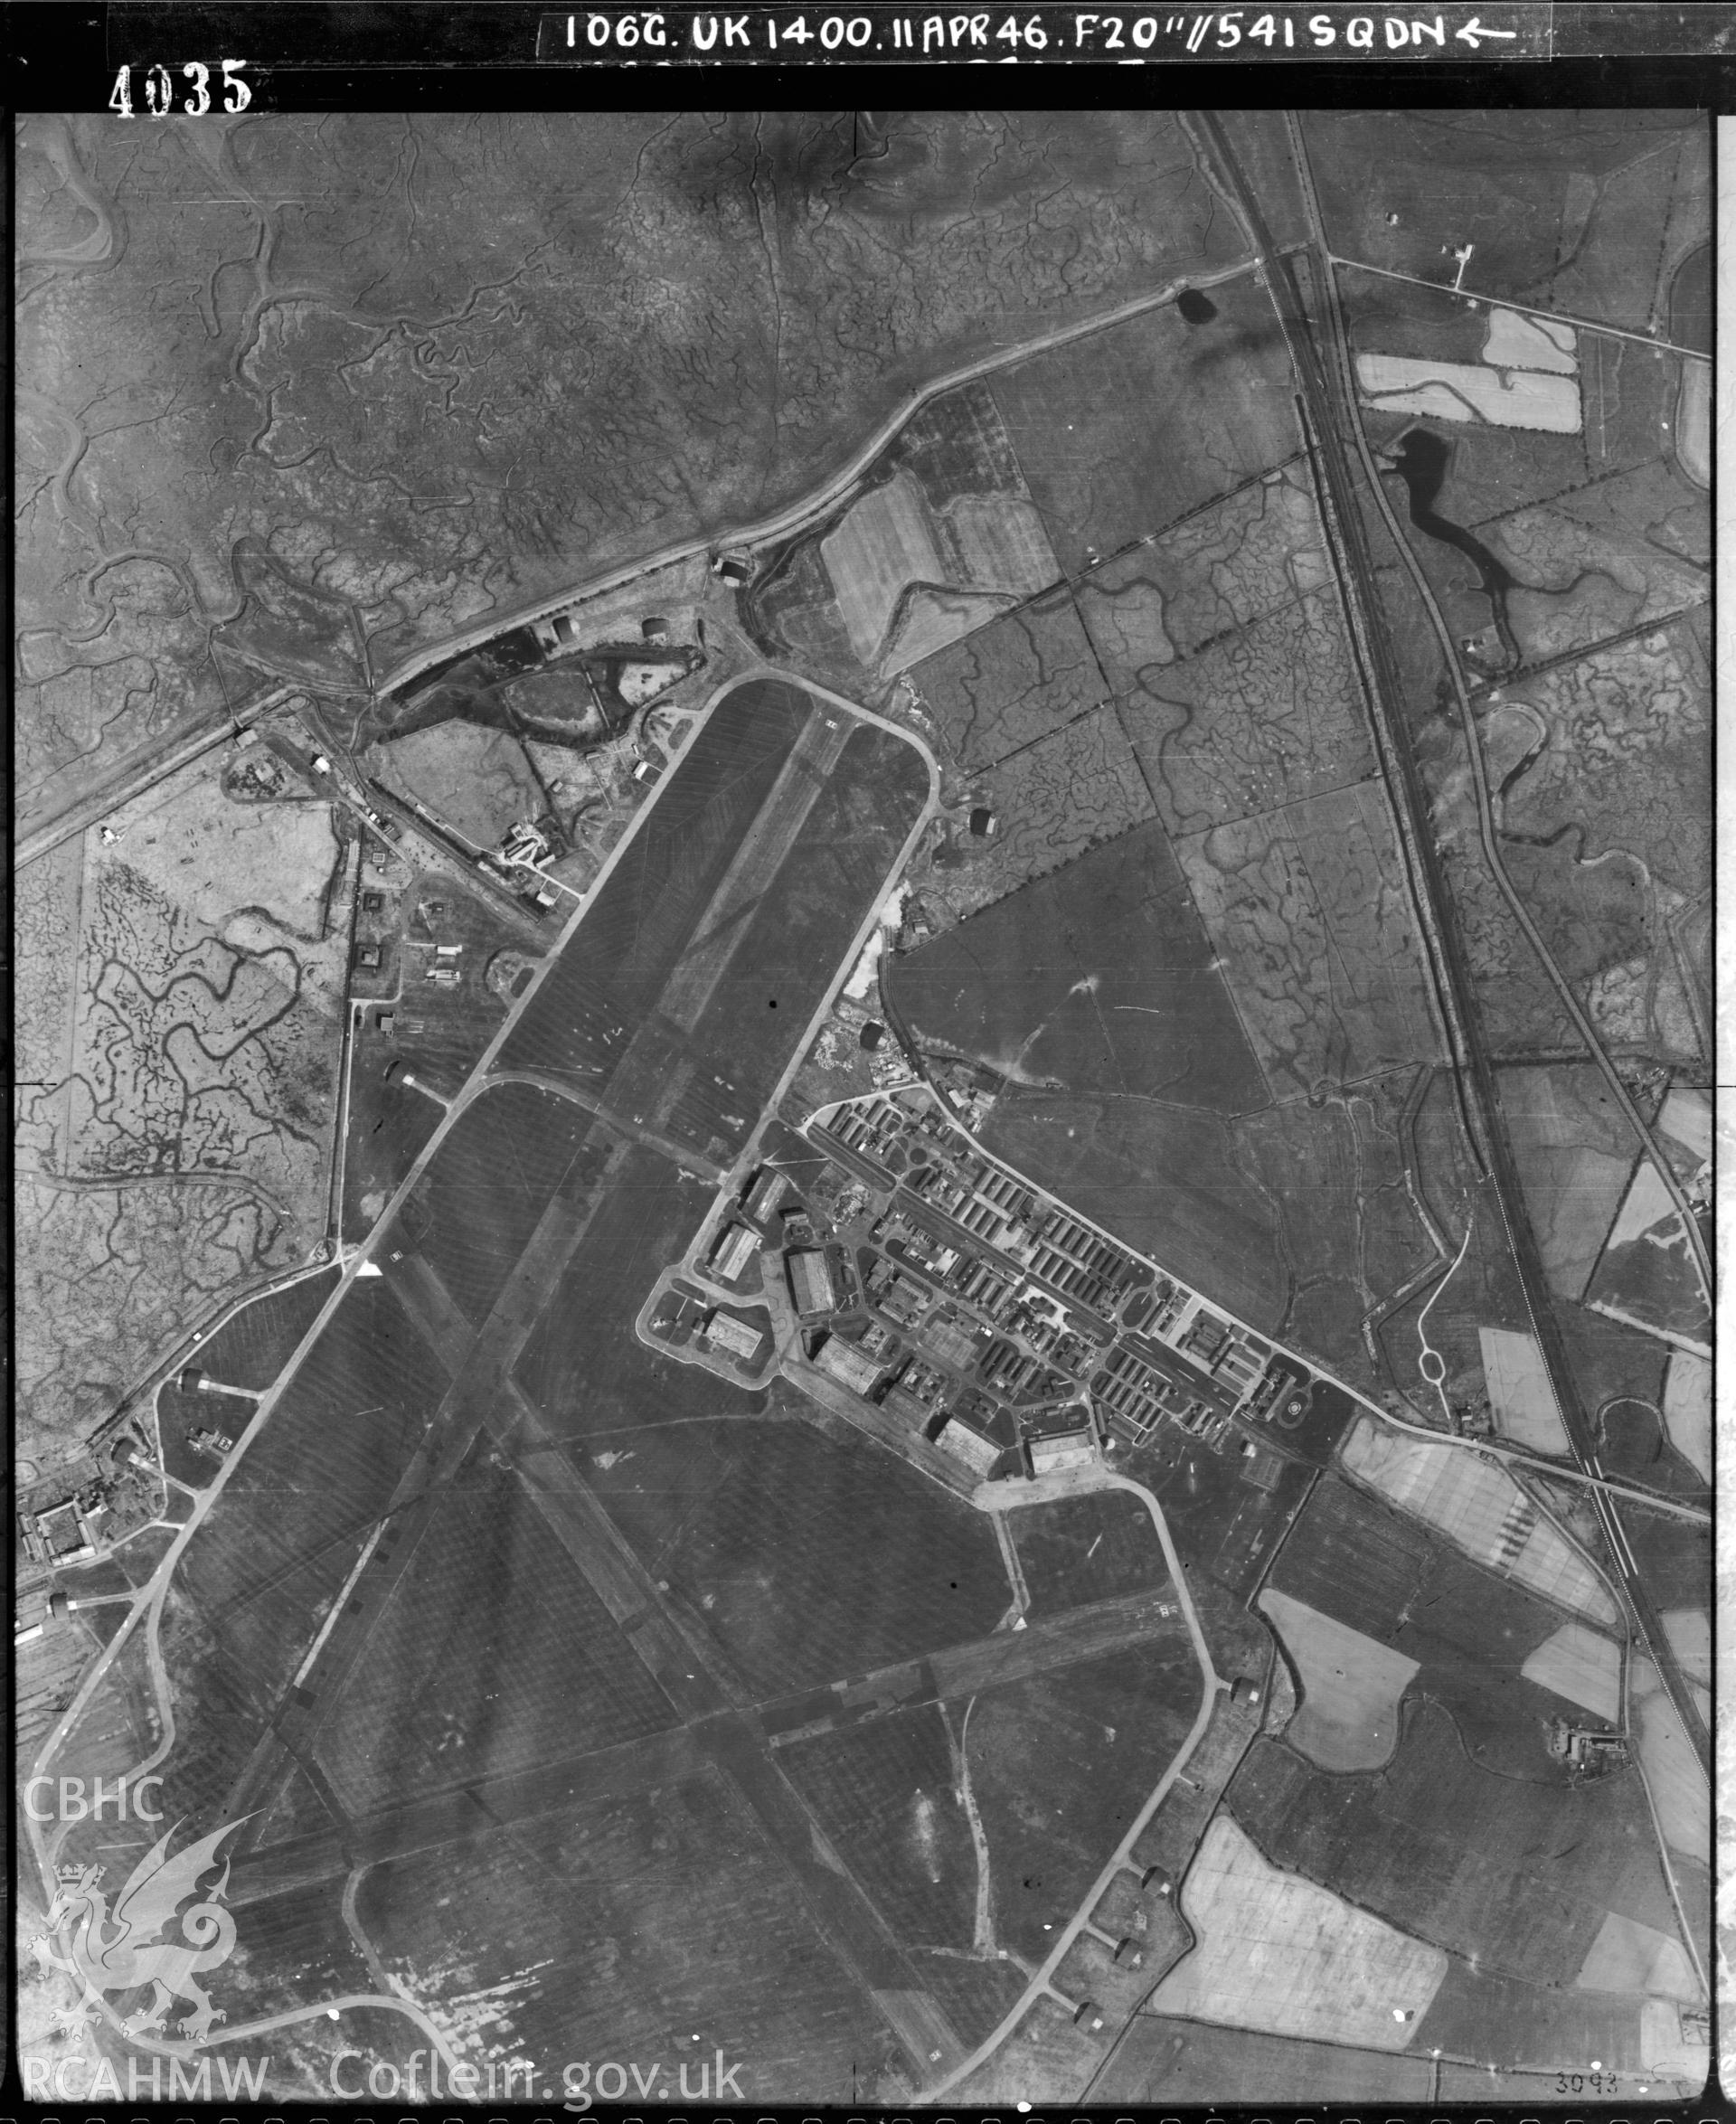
1050, 1454
848, 1366
762, 1196
900, 1402
968, 1445
734, 1251
810, 1282
725, 1331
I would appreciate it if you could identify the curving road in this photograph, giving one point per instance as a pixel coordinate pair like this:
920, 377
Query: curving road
1000, 1497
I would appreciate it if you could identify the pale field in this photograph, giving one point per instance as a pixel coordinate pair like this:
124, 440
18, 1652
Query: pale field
985, 549
1574, 1163
1693, 430
928, 619
1646, 1205
1516, 341
215, 856
1626, 1956
1687, 1410
1689, 1630
1453, 391
1351, 1686
1668, 2051
884, 542
1520, 1394
1672, 1773
1276, 1952
1648, 1217
1480, 1509
1687, 1117
1582, 1665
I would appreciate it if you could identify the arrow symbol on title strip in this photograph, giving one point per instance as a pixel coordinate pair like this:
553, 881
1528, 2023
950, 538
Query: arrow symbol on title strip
1474, 32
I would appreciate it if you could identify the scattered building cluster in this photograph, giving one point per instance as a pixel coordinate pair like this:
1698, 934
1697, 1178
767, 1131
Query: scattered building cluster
71, 1516
1589, 1751
920, 1276
913, 1271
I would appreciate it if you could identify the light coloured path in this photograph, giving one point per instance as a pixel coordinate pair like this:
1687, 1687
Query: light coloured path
1009, 1497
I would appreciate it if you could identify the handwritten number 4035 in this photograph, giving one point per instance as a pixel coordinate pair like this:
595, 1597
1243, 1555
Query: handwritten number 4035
159, 90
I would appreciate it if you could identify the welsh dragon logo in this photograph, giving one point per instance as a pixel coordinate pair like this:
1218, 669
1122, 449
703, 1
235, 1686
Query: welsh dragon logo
121, 1950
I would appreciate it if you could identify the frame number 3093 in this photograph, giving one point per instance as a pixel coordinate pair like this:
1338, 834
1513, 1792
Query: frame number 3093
159, 89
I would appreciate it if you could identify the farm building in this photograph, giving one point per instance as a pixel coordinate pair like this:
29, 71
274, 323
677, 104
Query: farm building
727, 1332
982, 822
810, 1282
735, 1251
850, 1366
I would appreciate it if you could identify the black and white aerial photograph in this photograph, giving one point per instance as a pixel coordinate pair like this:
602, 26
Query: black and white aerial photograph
864, 991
